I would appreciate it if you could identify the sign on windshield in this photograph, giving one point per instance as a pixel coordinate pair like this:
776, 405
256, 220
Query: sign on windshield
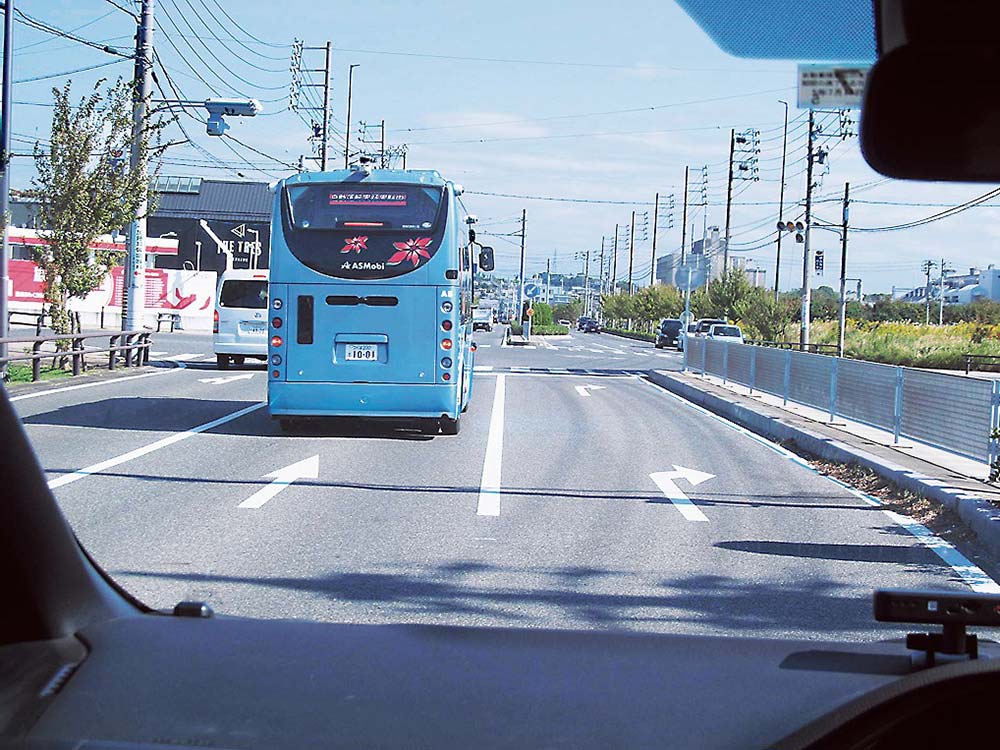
367, 207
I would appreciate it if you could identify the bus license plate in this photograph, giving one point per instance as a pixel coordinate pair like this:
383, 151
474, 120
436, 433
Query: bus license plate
363, 352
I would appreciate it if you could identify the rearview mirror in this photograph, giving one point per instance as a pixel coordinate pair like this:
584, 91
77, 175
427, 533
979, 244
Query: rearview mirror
928, 113
486, 259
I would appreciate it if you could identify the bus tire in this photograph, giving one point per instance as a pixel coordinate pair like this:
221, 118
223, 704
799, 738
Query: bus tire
222, 361
288, 425
449, 426
238, 360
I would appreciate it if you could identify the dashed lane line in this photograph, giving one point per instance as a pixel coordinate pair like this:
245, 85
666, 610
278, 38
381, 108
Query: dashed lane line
489, 487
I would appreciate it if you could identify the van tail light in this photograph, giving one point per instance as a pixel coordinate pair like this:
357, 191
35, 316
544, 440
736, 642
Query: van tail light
215, 322
277, 341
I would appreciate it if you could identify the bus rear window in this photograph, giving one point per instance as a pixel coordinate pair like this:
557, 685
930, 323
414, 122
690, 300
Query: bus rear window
246, 294
363, 207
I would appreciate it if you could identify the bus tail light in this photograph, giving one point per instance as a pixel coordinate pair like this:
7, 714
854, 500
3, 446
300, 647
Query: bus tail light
446, 344
446, 307
275, 359
446, 362
276, 322
277, 341
446, 325
446, 376
215, 322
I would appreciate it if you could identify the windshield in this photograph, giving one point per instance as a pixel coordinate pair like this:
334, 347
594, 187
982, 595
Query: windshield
362, 444
368, 207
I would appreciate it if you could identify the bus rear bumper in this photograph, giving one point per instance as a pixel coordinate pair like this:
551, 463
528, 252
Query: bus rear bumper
360, 400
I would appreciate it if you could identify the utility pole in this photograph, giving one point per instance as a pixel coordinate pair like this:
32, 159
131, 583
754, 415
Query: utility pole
842, 312
601, 286
806, 258
614, 265
8, 60
586, 282
928, 266
781, 201
548, 278
684, 219
134, 288
729, 199
324, 146
382, 148
656, 216
520, 299
943, 268
631, 252
347, 127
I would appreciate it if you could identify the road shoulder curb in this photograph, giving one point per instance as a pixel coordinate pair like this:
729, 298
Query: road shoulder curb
977, 513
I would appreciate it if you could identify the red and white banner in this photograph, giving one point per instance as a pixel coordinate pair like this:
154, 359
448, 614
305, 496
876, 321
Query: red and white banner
154, 245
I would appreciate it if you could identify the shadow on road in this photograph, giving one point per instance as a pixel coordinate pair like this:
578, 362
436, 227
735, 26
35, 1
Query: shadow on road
584, 597
881, 553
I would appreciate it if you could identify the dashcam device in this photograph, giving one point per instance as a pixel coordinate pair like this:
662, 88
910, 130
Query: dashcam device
937, 607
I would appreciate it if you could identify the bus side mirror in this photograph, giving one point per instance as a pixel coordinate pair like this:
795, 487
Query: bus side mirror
486, 259
472, 235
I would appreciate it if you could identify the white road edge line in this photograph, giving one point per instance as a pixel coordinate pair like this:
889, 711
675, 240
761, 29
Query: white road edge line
37, 394
972, 574
147, 449
489, 487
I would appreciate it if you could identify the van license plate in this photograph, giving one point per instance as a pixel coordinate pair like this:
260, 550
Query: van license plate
255, 327
363, 352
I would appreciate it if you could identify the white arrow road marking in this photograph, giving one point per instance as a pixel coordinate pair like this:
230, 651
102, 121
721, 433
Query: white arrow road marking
226, 379
584, 390
489, 487
306, 469
665, 481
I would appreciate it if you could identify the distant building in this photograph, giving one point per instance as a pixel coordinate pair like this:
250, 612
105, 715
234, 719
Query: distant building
705, 259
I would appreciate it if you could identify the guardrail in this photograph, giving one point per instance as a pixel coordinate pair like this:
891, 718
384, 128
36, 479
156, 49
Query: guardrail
814, 348
131, 346
951, 412
987, 359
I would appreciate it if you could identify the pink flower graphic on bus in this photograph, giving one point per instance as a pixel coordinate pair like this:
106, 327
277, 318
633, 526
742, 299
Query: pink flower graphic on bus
357, 244
411, 250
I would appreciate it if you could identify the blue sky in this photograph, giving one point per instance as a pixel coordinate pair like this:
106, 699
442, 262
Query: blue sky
554, 127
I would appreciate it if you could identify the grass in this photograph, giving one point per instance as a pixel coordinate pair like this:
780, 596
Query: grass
20, 373
540, 330
912, 345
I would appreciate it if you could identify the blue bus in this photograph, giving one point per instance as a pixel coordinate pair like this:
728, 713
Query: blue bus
371, 293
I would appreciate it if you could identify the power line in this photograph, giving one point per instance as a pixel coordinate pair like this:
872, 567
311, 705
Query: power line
235, 23
34, 23
49, 76
201, 17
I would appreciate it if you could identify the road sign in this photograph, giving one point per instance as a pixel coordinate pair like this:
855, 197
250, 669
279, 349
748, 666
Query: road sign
836, 86
532, 290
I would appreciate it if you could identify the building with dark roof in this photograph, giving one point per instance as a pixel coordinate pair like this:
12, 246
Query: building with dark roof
218, 224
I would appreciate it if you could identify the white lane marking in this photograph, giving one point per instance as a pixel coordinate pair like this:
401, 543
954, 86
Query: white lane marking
584, 390
665, 481
482, 368
489, 487
306, 469
519, 369
223, 379
154, 446
157, 354
970, 573
36, 394
484, 346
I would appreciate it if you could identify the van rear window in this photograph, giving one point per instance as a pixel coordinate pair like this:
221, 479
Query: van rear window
245, 293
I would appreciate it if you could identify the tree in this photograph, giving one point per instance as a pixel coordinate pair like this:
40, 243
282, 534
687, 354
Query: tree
86, 188
766, 318
730, 293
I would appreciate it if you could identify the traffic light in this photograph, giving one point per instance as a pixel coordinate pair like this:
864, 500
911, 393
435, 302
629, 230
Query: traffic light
819, 261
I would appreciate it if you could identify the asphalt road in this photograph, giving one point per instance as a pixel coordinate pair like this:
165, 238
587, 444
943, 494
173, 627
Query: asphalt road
558, 516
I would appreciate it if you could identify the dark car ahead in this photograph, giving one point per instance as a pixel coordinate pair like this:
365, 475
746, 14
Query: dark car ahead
668, 332
592, 326
581, 322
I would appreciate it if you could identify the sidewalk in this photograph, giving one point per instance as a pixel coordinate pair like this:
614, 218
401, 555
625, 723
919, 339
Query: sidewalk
955, 482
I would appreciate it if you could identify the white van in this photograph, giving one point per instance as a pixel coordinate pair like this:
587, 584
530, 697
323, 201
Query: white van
241, 323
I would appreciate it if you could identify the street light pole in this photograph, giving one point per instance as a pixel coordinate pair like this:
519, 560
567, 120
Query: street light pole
347, 128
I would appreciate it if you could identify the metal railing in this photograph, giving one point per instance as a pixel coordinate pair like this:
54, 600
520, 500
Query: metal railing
814, 348
982, 359
951, 412
131, 346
